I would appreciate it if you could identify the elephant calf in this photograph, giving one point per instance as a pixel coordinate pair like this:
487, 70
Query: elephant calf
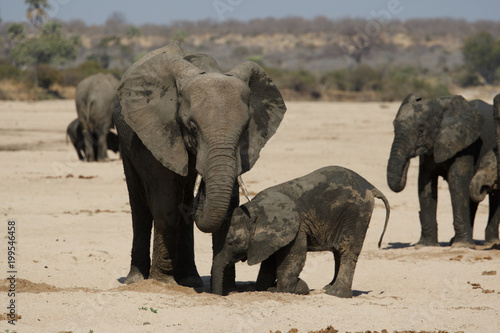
75, 133
327, 210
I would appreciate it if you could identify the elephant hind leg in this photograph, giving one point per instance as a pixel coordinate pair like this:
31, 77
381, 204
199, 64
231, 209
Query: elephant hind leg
341, 286
142, 222
336, 257
89, 146
347, 252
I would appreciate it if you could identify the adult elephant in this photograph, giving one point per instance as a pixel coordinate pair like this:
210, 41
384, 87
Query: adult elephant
178, 116
486, 180
448, 135
94, 106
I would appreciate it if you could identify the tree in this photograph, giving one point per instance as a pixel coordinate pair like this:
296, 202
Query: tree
482, 55
51, 47
36, 15
133, 35
16, 32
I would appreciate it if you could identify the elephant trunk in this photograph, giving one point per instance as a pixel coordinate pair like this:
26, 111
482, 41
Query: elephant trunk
477, 187
219, 181
496, 115
397, 168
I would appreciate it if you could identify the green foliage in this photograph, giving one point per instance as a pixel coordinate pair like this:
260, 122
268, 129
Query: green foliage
49, 47
181, 35
36, 12
16, 32
9, 71
102, 60
482, 54
72, 76
257, 59
133, 32
388, 84
48, 75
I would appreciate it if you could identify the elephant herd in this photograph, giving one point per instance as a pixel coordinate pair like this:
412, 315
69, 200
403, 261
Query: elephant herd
187, 127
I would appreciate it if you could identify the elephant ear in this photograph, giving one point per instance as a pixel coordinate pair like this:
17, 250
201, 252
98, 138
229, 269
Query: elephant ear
461, 125
276, 225
204, 62
266, 111
147, 97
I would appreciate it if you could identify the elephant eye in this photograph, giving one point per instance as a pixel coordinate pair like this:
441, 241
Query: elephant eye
193, 134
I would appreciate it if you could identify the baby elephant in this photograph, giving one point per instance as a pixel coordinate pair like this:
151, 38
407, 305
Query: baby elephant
326, 210
75, 133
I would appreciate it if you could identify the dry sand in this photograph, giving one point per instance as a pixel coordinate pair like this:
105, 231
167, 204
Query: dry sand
74, 238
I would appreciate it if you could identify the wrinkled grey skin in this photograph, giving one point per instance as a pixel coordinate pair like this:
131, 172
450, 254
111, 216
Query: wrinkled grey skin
485, 180
177, 116
450, 136
75, 133
94, 106
327, 210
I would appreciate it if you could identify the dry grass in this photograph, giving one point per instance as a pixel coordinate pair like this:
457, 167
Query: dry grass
11, 90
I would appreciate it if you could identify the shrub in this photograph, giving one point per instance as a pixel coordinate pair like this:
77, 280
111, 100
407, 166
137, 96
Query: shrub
48, 75
72, 76
9, 71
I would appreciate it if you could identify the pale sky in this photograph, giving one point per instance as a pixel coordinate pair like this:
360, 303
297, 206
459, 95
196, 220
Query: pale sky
166, 11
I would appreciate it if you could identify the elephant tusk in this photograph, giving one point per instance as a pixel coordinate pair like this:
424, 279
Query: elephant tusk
243, 188
197, 184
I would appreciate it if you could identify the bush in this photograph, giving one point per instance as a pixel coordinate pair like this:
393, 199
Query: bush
72, 76
48, 75
401, 81
388, 84
9, 71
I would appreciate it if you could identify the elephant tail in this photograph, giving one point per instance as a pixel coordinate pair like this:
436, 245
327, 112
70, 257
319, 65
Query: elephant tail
378, 194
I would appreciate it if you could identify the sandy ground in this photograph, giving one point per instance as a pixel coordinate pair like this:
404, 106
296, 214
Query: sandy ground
73, 233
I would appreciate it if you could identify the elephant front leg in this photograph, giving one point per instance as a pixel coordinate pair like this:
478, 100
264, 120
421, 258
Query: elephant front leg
220, 264
267, 274
459, 177
162, 264
427, 195
290, 261
491, 232
142, 222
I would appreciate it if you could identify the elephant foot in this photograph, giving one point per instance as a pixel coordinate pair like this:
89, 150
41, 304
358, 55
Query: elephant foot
425, 241
302, 288
463, 244
339, 292
134, 275
492, 241
191, 281
168, 279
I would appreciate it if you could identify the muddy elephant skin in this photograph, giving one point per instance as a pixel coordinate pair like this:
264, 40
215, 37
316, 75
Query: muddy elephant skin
327, 210
177, 116
450, 136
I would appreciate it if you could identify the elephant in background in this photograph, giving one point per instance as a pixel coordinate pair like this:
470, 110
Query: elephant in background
178, 116
94, 106
75, 133
486, 180
327, 210
450, 136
